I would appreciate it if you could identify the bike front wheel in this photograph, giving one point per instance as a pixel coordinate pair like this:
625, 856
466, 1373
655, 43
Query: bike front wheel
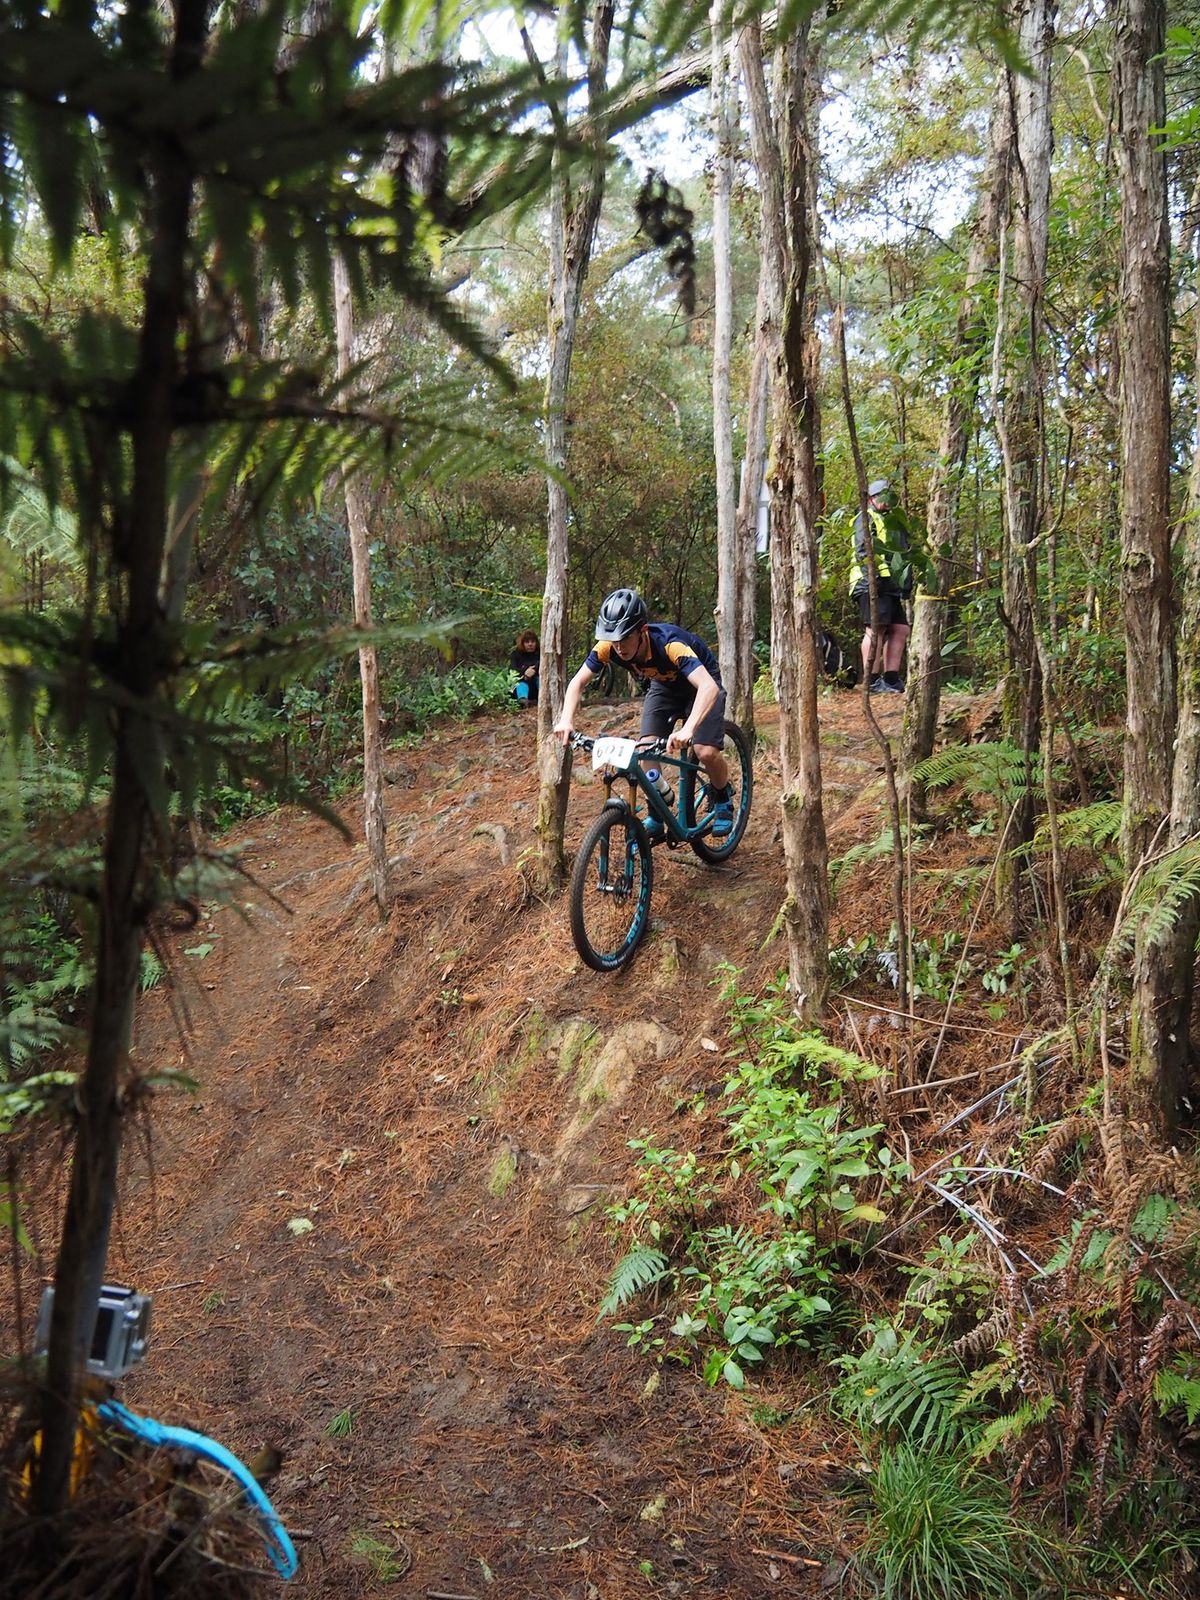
741, 778
610, 889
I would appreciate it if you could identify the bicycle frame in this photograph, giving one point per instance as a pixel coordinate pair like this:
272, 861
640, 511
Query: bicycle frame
629, 755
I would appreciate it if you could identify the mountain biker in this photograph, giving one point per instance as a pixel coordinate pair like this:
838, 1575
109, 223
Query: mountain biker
684, 686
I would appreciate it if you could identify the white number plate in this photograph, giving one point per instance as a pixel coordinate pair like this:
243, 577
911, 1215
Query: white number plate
617, 753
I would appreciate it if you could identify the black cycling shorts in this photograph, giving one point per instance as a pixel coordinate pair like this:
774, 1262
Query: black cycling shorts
891, 607
668, 703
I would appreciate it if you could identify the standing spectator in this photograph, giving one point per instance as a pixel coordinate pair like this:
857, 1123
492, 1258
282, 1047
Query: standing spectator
891, 537
526, 662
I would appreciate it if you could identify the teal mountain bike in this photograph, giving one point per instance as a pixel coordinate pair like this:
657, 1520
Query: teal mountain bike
613, 875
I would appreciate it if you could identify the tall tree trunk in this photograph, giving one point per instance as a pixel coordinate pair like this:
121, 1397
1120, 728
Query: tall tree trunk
723, 92
970, 343
374, 819
1162, 970
140, 662
767, 327
794, 551
573, 223
1145, 422
1020, 417
1166, 974
754, 464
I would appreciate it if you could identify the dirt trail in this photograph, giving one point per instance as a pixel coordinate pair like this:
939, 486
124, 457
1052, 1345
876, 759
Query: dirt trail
385, 1204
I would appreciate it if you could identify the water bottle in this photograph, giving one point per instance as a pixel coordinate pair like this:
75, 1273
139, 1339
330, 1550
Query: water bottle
661, 784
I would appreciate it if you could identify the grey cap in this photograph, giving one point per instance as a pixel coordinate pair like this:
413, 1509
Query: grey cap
877, 489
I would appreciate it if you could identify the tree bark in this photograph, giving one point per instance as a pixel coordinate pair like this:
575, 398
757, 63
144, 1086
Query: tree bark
374, 818
970, 343
1162, 974
724, 100
572, 233
794, 550
1140, 102
1020, 419
767, 323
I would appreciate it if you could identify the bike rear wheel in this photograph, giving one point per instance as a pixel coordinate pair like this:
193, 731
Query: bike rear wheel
610, 889
741, 778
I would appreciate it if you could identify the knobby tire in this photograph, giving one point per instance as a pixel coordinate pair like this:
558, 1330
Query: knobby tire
741, 772
610, 910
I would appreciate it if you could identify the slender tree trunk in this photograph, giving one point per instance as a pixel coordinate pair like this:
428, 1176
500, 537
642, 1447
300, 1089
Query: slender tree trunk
767, 329
930, 610
1145, 422
723, 92
754, 465
572, 233
374, 818
1020, 418
794, 552
140, 663
1162, 970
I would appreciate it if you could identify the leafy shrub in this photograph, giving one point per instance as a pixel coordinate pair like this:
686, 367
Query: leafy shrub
460, 692
817, 1174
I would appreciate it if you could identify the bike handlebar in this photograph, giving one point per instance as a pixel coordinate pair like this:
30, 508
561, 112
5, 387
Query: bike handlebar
586, 741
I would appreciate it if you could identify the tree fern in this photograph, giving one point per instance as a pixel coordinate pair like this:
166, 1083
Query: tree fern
997, 771
640, 1269
28, 522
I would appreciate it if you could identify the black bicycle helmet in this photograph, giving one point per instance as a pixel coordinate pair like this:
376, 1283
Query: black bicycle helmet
622, 613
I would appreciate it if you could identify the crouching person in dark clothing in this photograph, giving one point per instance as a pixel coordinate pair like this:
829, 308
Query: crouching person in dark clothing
526, 662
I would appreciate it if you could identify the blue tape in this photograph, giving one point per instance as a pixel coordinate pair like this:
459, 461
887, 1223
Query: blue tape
279, 1547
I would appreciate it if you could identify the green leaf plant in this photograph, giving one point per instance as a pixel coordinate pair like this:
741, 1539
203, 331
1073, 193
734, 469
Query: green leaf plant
730, 1296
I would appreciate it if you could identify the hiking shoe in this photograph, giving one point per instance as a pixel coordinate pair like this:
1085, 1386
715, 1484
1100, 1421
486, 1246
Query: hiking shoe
722, 818
655, 831
882, 686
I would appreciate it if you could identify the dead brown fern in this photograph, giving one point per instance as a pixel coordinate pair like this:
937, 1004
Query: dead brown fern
1060, 1139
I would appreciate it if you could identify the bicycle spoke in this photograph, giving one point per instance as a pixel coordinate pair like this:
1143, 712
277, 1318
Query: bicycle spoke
610, 892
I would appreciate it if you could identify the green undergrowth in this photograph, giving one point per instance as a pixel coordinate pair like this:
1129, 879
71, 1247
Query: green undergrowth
1023, 1415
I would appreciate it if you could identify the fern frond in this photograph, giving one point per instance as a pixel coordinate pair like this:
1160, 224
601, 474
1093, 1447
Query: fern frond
814, 1051
1007, 1429
874, 850
733, 1250
640, 1269
999, 1376
1176, 1391
903, 1393
988, 767
28, 521
1167, 887
1087, 827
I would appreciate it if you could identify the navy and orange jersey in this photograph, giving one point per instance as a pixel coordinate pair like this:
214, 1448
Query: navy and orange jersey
674, 654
